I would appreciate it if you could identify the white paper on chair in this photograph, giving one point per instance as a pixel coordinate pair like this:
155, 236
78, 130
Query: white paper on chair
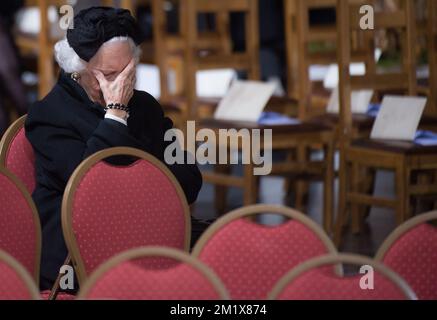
398, 118
360, 100
245, 101
355, 69
331, 80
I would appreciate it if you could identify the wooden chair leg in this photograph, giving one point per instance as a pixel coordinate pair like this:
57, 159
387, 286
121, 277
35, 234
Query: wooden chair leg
342, 202
435, 182
328, 189
221, 191
288, 184
301, 187
408, 207
401, 194
354, 207
250, 188
368, 175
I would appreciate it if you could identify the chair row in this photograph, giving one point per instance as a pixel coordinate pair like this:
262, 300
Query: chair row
159, 216
248, 257
156, 273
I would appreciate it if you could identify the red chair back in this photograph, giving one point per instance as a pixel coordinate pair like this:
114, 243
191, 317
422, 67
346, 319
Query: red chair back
411, 251
15, 281
20, 229
110, 209
250, 258
16, 154
312, 280
153, 274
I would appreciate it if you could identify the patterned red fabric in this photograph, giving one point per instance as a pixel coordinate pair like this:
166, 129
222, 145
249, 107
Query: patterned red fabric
12, 286
131, 281
18, 235
250, 258
20, 160
319, 284
414, 257
121, 208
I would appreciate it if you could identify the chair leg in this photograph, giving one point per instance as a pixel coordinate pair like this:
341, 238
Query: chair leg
250, 187
328, 189
401, 194
288, 185
221, 192
342, 201
435, 182
301, 186
354, 207
408, 207
369, 175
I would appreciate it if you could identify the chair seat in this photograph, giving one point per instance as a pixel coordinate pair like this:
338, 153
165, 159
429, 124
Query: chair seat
361, 122
398, 147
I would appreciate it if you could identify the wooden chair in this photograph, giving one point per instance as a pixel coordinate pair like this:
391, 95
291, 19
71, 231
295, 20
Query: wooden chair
359, 155
288, 137
196, 59
41, 45
298, 36
285, 138
432, 56
301, 38
167, 50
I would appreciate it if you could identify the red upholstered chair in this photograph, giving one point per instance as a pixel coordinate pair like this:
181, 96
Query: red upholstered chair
411, 251
250, 258
110, 209
312, 280
145, 274
15, 282
17, 155
20, 229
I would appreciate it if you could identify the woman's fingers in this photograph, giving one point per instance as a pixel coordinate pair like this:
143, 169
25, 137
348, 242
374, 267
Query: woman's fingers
100, 78
128, 70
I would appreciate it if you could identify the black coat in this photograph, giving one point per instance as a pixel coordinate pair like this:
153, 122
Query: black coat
65, 128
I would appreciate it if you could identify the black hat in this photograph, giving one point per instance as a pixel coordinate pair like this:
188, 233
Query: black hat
96, 25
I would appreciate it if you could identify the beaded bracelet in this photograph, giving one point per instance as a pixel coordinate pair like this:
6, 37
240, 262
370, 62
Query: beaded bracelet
117, 106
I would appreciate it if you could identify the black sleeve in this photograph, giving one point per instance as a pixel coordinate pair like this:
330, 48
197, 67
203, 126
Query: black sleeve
62, 150
188, 175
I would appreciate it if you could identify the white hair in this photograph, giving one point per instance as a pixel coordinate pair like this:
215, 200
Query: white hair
70, 62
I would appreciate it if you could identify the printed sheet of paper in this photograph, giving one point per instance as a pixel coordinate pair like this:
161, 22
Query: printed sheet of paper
360, 100
398, 118
245, 101
214, 83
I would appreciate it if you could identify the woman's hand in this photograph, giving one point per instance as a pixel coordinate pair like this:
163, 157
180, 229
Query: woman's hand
121, 89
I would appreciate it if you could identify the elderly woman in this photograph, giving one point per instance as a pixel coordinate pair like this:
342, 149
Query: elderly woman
93, 106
